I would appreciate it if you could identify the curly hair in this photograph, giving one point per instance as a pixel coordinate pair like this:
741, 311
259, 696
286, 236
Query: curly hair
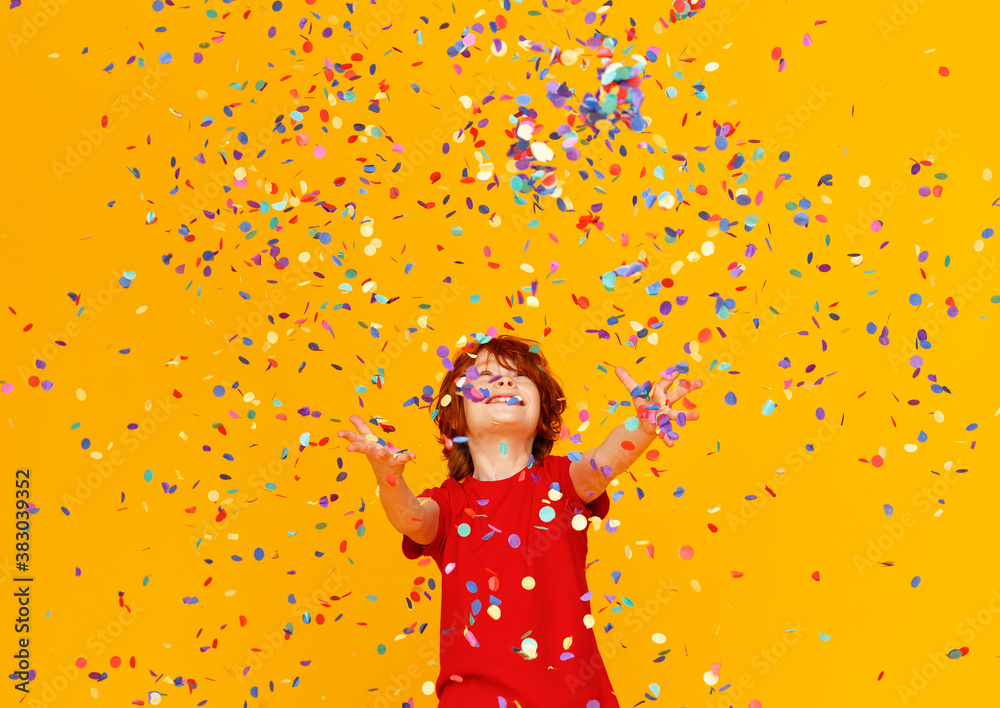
512, 352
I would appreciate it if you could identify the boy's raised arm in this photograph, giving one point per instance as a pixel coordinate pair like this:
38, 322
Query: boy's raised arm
593, 473
406, 514
404, 511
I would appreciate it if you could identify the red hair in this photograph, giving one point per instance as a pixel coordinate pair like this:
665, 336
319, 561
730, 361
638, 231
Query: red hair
513, 353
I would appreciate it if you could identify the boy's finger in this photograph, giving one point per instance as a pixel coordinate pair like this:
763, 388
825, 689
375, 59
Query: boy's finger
360, 424
684, 389
626, 378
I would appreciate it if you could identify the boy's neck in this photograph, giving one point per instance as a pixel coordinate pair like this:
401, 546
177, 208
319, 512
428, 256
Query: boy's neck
489, 464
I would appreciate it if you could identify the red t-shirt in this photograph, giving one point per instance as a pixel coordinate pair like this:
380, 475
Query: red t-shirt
491, 536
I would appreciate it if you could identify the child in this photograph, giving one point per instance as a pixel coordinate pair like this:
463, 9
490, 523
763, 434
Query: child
508, 527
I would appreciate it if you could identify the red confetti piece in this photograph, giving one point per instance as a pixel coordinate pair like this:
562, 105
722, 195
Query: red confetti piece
776, 53
736, 573
713, 528
943, 70
627, 445
815, 575
390, 480
104, 121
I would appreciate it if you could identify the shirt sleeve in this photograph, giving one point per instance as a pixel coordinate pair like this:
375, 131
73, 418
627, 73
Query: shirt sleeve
559, 465
412, 549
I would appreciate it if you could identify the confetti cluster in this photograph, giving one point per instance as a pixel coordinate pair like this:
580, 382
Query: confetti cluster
331, 225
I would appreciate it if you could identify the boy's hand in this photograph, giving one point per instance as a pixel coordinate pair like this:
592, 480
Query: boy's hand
658, 421
385, 462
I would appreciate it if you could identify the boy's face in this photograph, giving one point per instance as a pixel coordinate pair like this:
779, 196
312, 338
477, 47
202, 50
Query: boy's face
518, 420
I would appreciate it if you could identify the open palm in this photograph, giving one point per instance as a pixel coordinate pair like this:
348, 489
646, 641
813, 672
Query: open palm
384, 460
654, 421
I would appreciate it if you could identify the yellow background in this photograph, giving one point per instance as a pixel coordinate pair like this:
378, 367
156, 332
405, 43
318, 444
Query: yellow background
878, 102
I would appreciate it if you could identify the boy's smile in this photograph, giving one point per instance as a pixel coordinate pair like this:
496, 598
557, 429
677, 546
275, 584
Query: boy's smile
506, 397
